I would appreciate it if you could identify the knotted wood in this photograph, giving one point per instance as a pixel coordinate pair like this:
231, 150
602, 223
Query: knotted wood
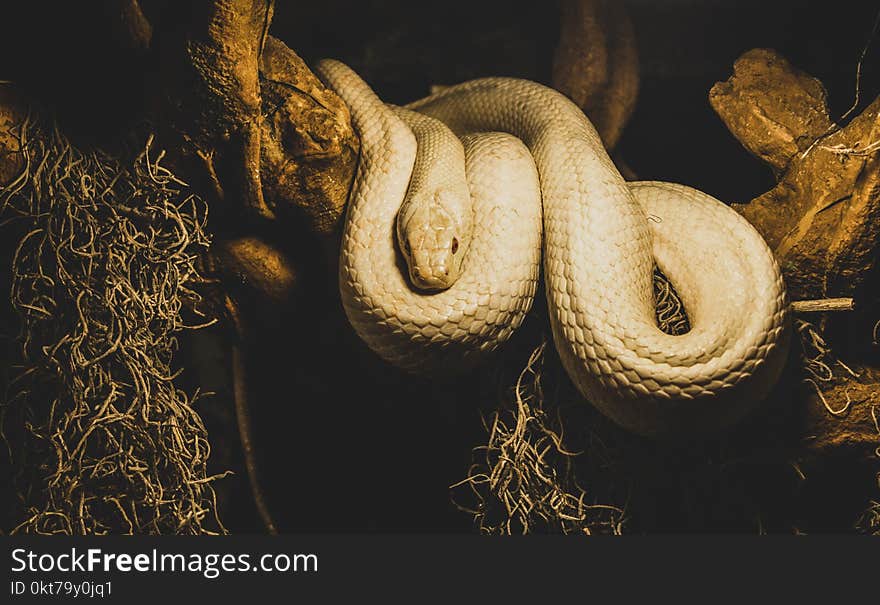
822, 220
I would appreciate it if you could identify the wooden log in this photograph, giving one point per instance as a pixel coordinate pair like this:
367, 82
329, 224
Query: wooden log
822, 221
272, 141
209, 58
310, 149
823, 218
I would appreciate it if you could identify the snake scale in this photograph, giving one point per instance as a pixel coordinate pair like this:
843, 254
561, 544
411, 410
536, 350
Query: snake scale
544, 190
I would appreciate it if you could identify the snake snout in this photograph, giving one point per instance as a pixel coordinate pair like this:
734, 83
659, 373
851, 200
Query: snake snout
432, 275
433, 253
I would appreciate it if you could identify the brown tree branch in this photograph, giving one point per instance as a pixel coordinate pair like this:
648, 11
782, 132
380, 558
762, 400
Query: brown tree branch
596, 63
824, 304
823, 218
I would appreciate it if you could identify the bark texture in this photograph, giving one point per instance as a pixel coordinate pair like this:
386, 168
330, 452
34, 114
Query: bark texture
272, 140
309, 148
12, 112
823, 217
596, 63
822, 220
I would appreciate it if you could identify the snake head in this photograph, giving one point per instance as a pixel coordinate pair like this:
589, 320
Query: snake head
432, 242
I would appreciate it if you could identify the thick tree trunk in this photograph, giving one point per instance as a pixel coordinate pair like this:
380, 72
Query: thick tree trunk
271, 138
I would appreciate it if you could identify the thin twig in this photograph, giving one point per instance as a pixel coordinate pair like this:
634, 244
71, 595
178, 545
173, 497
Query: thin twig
823, 304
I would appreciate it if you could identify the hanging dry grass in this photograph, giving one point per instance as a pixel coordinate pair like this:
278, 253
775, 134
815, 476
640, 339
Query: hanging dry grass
870, 520
523, 479
102, 280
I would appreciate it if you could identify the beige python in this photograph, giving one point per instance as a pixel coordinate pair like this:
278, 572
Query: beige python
532, 158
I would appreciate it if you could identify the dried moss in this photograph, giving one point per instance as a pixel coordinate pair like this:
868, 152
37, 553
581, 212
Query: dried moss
523, 479
869, 522
101, 439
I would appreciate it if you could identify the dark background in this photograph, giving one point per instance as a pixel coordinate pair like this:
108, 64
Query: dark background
348, 443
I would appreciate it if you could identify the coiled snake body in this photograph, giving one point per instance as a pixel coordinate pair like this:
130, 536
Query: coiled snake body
533, 158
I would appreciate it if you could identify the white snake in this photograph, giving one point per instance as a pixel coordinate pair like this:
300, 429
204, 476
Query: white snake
601, 239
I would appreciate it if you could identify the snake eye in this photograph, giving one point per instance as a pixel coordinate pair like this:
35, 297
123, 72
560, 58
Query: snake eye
454, 245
